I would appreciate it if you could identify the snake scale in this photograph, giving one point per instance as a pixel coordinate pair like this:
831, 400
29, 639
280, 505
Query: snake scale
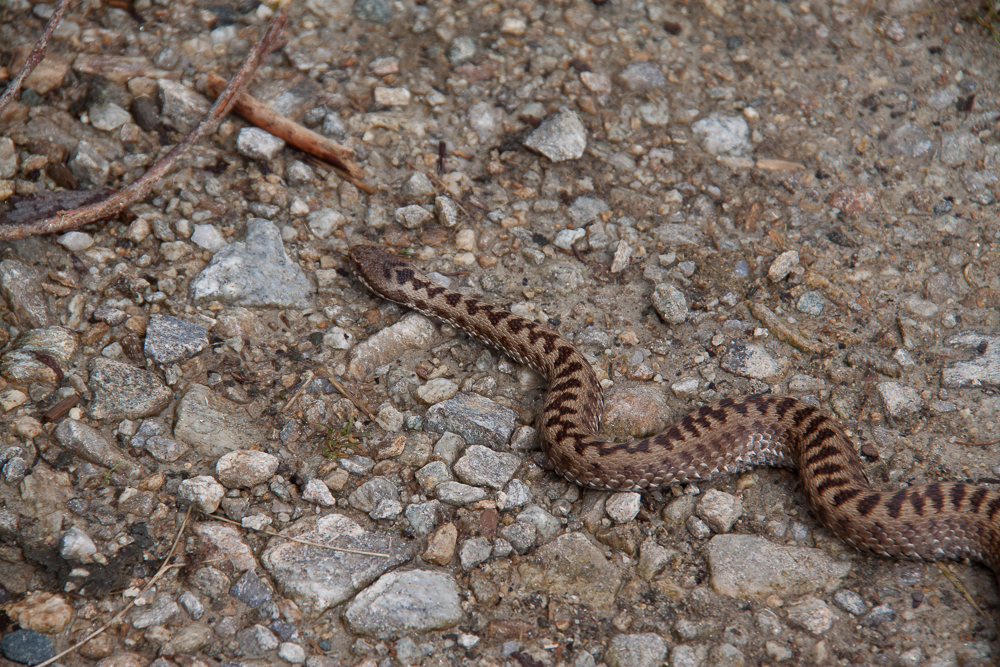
941, 520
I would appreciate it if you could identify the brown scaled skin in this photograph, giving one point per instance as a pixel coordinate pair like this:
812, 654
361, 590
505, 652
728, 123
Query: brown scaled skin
945, 520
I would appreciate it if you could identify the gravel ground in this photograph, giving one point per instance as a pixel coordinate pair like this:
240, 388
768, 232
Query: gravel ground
710, 199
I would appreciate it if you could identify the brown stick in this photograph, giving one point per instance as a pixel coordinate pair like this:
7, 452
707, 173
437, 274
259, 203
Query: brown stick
36, 56
139, 188
301, 137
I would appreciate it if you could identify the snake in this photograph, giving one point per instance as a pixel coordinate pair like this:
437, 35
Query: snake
931, 521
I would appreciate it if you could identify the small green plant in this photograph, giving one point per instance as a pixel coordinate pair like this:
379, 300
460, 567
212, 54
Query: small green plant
337, 441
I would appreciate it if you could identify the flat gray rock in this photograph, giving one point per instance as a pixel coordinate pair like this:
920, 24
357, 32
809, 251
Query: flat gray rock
318, 578
573, 565
405, 603
211, 425
746, 566
645, 650
171, 339
413, 332
20, 286
474, 418
481, 466
559, 138
88, 443
122, 391
982, 369
254, 272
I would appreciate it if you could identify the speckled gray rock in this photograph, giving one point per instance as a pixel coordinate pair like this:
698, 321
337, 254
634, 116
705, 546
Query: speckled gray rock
318, 578
250, 590
585, 209
517, 494
254, 272
909, 140
572, 565
810, 614
474, 551
751, 361
747, 566
122, 391
21, 364
160, 612
376, 11
670, 303
547, 525
90, 445
720, 510
203, 492
368, 496
481, 466
559, 138
171, 339
723, 135
878, 615
899, 399
642, 75
212, 425
20, 286
406, 603
521, 535
183, 107
413, 332
456, 493
645, 650
76, 545
258, 144
256, 641
850, 602
982, 369
27, 647
474, 418
423, 517
88, 164
245, 468
623, 507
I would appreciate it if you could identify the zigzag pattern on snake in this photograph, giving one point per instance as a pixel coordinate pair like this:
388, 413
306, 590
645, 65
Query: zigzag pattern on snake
943, 520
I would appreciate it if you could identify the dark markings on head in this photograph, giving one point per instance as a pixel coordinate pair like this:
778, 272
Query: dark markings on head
453, 298
977, 499
404, 276
958, 495
935, 495
832, 483
845, 496
869, 503
895, 504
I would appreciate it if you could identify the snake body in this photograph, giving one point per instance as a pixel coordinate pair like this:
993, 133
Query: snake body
942, 520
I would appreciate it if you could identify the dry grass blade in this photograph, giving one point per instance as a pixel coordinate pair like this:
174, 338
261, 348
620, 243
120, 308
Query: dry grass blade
142, 186
36, 56
120, 615
946, 571
356, 552
351, 397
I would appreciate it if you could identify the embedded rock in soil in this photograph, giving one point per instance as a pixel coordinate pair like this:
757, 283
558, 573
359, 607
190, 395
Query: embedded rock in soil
475, 418
746, 566
254, 272
413, 332
405, 603
212, 425
572, 565
318, 578
122, 391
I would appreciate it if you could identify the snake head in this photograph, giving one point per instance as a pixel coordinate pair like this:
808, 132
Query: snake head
381, 272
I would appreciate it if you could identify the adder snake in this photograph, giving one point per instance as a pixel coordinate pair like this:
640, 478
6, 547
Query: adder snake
942, 520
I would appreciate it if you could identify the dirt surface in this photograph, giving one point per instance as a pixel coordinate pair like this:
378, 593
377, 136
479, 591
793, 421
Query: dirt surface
772, 197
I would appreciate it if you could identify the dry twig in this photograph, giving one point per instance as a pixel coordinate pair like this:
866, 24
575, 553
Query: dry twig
340, 157
120, 615
36, 56
142, 186
783, 331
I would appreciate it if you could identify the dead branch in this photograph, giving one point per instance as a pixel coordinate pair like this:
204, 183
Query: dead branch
142, 186
302, 138
36, 56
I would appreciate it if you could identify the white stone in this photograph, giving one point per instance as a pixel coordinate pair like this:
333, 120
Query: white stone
203, 491
783, 265
318, 492
76, 241
623, 507
436, 390
466, 240
208, 237
392, 97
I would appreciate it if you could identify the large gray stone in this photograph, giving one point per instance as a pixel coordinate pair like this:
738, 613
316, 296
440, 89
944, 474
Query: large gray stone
474, 418
746, 566
405, 603
573, 565
254, 272
122, 391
